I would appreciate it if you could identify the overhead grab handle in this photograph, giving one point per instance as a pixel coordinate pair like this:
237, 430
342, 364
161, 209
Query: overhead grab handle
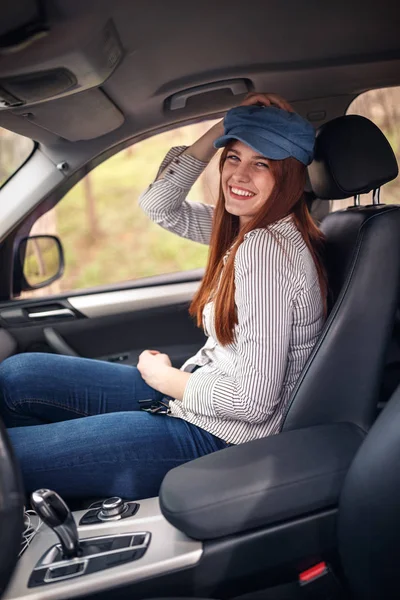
236, 86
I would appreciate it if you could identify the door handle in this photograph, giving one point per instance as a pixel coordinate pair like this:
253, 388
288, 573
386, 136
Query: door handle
47, 314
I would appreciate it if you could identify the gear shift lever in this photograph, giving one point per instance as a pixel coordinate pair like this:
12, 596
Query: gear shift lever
53, 511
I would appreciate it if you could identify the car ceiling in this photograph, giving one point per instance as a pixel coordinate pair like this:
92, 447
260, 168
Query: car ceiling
317, 54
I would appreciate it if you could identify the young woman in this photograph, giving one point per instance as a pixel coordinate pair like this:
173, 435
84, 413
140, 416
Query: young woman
261, 304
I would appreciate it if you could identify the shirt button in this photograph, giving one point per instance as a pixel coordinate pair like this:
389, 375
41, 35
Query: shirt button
171, 172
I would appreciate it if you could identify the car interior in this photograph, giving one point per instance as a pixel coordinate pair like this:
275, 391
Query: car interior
311, 512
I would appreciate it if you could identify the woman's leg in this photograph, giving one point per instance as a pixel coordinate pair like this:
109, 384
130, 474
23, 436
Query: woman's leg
124, 454
42, 388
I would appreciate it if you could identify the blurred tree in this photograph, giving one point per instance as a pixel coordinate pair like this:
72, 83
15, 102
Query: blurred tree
14, 149
93, 225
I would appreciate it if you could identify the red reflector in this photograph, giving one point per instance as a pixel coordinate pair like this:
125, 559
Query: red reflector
313, 573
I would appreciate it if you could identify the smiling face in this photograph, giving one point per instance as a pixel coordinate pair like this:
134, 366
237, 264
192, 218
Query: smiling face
247, 181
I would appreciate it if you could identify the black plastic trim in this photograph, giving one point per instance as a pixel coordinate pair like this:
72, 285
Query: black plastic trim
235, 565
148, 282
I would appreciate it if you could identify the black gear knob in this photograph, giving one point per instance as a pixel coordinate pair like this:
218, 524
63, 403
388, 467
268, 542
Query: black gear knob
53, 511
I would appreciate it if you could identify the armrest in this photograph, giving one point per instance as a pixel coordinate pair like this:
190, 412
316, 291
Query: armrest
260, 483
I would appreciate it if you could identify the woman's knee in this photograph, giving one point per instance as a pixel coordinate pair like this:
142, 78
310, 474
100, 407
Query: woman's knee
20, 371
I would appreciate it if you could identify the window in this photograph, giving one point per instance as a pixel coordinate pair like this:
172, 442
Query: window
107, 239
383, 108
14, 150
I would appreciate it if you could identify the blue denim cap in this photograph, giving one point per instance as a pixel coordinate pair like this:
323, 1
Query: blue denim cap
271, 131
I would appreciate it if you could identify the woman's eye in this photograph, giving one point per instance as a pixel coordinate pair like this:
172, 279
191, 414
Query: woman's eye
232, 157
261, 164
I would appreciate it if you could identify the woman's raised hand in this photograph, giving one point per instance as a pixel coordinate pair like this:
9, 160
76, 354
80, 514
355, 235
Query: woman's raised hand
267, 100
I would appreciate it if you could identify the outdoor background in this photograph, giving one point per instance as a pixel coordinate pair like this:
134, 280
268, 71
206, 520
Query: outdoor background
108, 239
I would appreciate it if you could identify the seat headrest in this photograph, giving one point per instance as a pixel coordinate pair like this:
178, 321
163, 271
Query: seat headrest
352, 156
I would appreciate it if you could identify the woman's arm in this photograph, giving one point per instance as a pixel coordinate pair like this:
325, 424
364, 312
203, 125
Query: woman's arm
203, 149
158, 372
165, 202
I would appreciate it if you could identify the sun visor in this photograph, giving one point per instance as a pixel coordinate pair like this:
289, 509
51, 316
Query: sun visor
83, 116
57, 64
22, 23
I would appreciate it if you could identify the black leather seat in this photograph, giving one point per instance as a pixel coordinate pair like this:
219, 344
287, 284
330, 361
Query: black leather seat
342, 378
369, 515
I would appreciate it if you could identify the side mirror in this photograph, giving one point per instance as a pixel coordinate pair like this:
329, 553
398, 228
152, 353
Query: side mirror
38, 261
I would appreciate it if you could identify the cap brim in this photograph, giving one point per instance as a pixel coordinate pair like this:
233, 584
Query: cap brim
264, 147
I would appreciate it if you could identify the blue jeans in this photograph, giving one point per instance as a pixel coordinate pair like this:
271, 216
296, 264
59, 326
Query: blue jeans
76, 427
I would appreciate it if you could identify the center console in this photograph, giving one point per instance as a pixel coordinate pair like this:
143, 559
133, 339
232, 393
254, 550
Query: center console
111, 552
252, 515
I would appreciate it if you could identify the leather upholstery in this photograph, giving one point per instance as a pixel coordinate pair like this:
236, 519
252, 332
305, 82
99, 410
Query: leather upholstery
260, 483
352, 156
369, 517
341, 379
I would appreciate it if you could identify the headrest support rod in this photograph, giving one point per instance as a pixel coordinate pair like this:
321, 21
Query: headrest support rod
357, 200
376, 195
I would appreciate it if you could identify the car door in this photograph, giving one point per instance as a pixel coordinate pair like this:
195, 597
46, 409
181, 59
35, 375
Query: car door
126, 283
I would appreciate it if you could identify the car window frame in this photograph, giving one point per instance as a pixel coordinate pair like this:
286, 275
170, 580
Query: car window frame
58, 194
35, 147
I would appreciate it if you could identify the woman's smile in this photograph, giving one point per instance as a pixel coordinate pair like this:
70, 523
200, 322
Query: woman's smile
240, 193
247, 181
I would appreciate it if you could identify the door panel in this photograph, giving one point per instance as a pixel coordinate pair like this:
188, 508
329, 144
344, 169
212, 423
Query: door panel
133, 300
108, 325
8, 344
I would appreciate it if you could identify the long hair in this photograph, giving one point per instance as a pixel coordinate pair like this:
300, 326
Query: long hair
287, 197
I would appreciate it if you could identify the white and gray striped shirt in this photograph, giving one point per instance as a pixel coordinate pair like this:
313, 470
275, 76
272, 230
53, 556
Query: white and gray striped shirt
242, 389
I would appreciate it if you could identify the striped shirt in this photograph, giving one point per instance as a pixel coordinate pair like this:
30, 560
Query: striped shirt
242, 389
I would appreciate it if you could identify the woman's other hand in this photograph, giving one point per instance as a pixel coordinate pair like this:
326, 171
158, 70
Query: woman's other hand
151, 362
267, 100
158, 372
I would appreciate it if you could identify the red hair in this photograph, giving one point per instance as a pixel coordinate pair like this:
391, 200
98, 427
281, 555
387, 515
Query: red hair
286, 197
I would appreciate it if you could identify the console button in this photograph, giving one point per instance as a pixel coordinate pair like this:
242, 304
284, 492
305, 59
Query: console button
138, 540
119, 558
94, 515
104, 545
121, 542
64, 571
112, 508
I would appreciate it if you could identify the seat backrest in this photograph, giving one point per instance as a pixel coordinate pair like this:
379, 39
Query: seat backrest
369, 517
341, 379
